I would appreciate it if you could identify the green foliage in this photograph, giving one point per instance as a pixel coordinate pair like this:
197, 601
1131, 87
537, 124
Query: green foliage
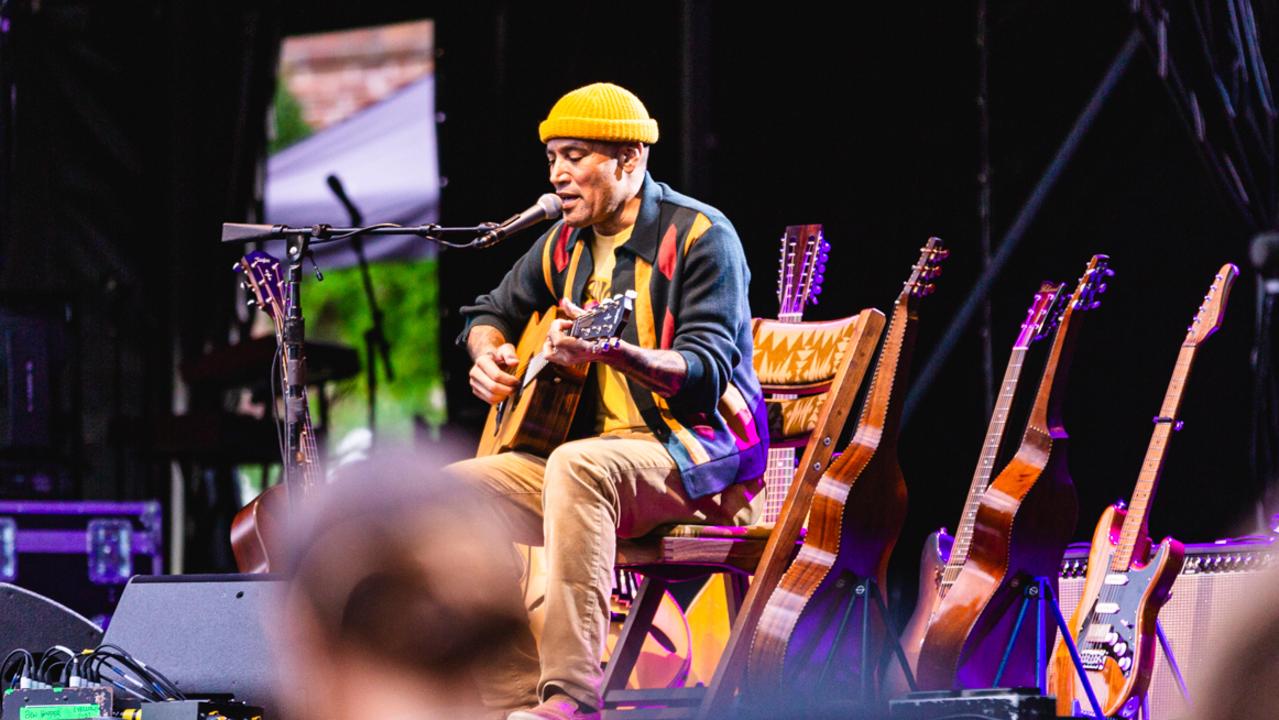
288, 124
408, 294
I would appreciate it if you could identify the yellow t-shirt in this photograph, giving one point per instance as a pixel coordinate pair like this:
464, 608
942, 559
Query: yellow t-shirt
617, 410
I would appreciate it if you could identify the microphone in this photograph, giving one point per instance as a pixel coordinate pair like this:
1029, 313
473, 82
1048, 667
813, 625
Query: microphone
335, 184
547, 207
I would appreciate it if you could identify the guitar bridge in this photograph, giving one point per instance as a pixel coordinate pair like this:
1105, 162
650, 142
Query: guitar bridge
1093, 659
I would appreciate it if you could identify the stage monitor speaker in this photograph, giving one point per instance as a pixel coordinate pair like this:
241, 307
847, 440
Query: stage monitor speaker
34, 622
206, 633
1204, 603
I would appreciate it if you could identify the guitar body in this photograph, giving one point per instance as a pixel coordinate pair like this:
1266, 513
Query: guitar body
1146, 588
537, 416
257, 531
1023, 524
811, 638
856, 517
932, 561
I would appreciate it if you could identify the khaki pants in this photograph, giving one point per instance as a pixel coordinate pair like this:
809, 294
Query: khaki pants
577, 502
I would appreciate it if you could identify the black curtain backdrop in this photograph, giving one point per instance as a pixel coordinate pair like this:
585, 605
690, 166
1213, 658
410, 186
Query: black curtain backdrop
137, 129
865, 121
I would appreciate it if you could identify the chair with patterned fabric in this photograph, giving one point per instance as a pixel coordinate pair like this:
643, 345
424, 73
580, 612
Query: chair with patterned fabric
810, 373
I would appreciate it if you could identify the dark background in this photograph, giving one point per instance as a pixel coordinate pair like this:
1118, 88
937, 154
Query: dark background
138, 127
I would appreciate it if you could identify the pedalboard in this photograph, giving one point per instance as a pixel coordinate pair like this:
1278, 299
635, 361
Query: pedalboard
56, 703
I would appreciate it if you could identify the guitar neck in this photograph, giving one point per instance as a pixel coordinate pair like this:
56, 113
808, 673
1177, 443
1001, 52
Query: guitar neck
883, 408
985, 466
308, 452
1135, 528
1046, 412
781, 460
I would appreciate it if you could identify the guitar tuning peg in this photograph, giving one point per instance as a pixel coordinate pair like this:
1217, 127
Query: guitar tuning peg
812, 300
817, 290
818, 277
1102, 288
251, 302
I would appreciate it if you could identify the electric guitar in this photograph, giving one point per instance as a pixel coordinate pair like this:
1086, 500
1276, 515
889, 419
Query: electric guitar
536, 417
1126, 585
1021, 528
257, 531
856, 515
944, 556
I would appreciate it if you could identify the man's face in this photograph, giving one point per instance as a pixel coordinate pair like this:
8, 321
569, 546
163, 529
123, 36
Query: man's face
588, 176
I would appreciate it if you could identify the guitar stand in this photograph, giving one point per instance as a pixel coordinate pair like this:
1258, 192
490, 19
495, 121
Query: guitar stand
1035, 592
863, 588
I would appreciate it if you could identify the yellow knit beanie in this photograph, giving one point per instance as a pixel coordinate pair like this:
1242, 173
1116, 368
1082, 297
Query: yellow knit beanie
600, 111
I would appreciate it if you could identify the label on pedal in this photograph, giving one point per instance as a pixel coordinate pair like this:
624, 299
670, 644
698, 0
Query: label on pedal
59, 712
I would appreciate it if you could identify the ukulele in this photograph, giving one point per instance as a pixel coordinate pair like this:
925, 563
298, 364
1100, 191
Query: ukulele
537, 416
800, 644
944, 556
1023, 522
257, 531
1126, 585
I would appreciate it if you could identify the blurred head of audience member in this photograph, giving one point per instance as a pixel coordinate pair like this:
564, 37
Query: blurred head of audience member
399, 587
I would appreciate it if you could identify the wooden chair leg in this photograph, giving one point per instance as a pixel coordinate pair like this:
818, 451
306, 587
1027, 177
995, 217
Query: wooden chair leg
639, 621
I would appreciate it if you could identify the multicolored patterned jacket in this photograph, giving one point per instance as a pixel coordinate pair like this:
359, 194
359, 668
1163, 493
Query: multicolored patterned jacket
687, 266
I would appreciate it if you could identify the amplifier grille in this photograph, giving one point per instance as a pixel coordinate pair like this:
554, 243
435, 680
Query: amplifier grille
1204, 601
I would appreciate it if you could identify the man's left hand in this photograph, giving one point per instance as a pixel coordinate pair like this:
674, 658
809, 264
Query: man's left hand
564, 349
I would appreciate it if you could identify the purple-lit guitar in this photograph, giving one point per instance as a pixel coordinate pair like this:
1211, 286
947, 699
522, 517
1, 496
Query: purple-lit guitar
1114, 623
257, 532
1021, 527
945, 556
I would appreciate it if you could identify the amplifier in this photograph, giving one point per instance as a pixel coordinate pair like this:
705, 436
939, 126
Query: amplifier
1204, 603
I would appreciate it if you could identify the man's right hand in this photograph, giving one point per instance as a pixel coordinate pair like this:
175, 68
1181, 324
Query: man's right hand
490, 380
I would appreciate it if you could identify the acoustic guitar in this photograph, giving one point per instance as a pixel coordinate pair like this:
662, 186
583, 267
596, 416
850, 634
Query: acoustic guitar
1023, 522
944, 556
1126, 585
800, 272
536, 417
804, 643
257, 531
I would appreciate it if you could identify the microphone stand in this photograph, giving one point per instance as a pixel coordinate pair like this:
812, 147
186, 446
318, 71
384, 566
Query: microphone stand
375, 343
298, 241
295, 364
